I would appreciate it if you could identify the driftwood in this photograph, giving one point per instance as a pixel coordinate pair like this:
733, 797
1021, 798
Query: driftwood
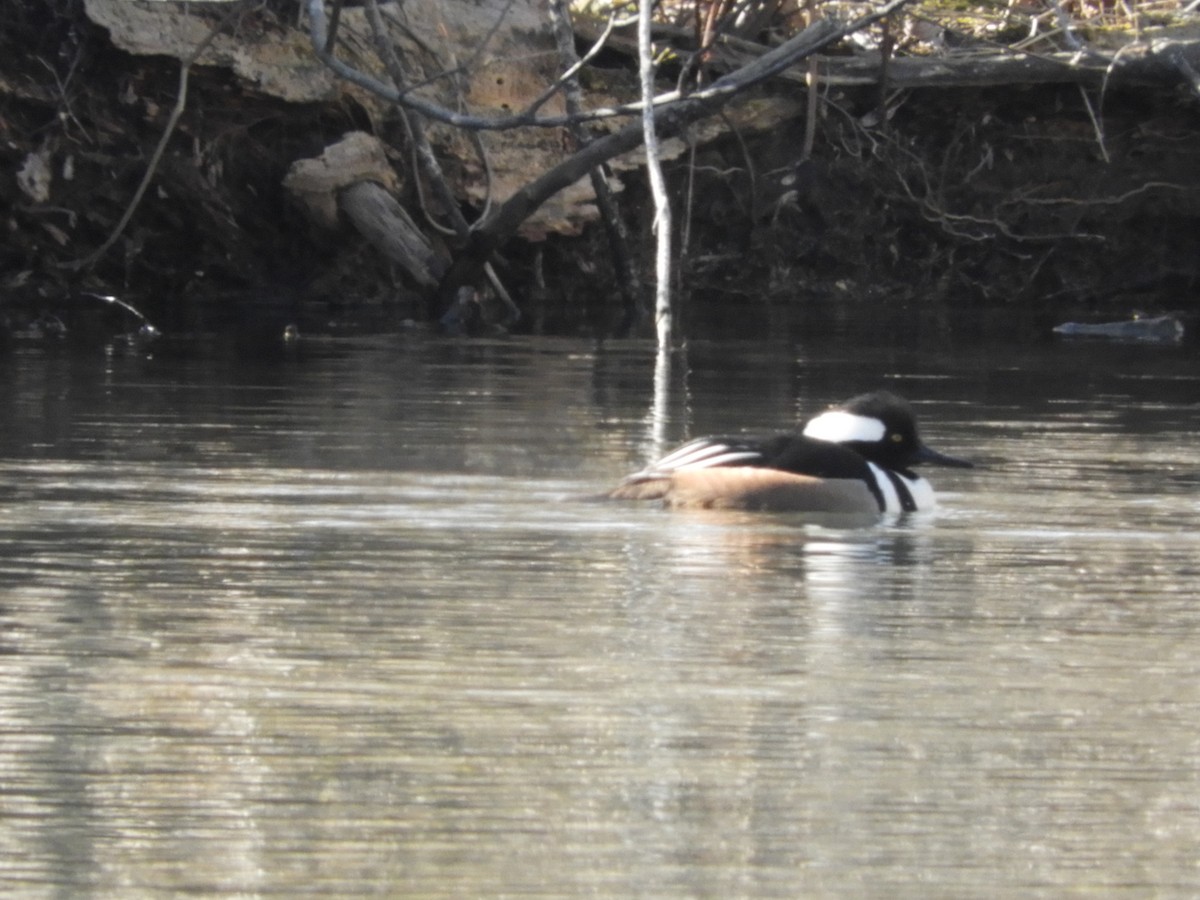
1152, 63
354, 177
1159, 329
1155, 60
384, 223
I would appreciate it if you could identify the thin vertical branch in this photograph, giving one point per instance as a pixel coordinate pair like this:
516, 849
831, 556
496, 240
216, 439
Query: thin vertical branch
658, 185
335, 17
185, 67
662, 231
427, 161
811, 80
564, 35
1097, 124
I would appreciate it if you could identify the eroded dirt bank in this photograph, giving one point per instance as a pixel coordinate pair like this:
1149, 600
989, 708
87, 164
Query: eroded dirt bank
1050, 201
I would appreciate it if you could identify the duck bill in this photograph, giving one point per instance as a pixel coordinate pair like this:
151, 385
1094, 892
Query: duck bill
932, 457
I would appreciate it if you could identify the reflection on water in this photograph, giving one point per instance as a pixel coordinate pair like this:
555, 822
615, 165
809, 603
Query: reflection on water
344, 627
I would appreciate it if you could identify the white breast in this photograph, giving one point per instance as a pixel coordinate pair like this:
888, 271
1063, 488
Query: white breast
919, 488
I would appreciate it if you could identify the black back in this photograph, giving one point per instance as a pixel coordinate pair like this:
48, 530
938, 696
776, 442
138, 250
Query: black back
795, 453
802, 455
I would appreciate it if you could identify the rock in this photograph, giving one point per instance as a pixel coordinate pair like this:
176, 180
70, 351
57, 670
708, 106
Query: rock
1166, 329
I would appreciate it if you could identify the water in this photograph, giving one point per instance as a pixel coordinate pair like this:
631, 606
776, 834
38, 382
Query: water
342, 626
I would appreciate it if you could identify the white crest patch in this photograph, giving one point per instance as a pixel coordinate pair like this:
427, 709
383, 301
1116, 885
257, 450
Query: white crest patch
840, 426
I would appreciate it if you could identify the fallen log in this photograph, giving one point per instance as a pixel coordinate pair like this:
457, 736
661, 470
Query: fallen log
389, 229
354, 177
1150, 63
1168, 58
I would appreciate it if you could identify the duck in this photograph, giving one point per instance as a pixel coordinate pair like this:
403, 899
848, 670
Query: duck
853, 458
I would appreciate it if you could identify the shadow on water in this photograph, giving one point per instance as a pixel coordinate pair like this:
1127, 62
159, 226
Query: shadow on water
342, 627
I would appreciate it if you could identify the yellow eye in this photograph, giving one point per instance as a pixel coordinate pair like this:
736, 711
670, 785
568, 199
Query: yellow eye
897, 437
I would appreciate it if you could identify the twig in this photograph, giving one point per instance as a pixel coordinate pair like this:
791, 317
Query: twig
514, 311
761, 69
1096, 124
972, 228
569, 76
1186, 69
606, 203
1067, 26
1115, 200
335, 18
180, 104
426, 159
62, 85
812, 85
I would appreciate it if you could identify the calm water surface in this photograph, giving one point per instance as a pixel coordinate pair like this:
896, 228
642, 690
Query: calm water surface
341, 626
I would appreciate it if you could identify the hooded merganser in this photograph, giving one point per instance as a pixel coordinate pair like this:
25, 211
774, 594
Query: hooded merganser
853, 458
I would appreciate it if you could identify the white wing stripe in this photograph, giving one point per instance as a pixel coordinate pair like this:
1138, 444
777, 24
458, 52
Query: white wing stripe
689, 455
723, 459
702, 455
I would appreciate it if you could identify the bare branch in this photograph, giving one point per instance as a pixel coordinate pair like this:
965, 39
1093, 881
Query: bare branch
564, 36
427, 161
765, 67
508, 217
663, 317
1114, 200
185, 67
